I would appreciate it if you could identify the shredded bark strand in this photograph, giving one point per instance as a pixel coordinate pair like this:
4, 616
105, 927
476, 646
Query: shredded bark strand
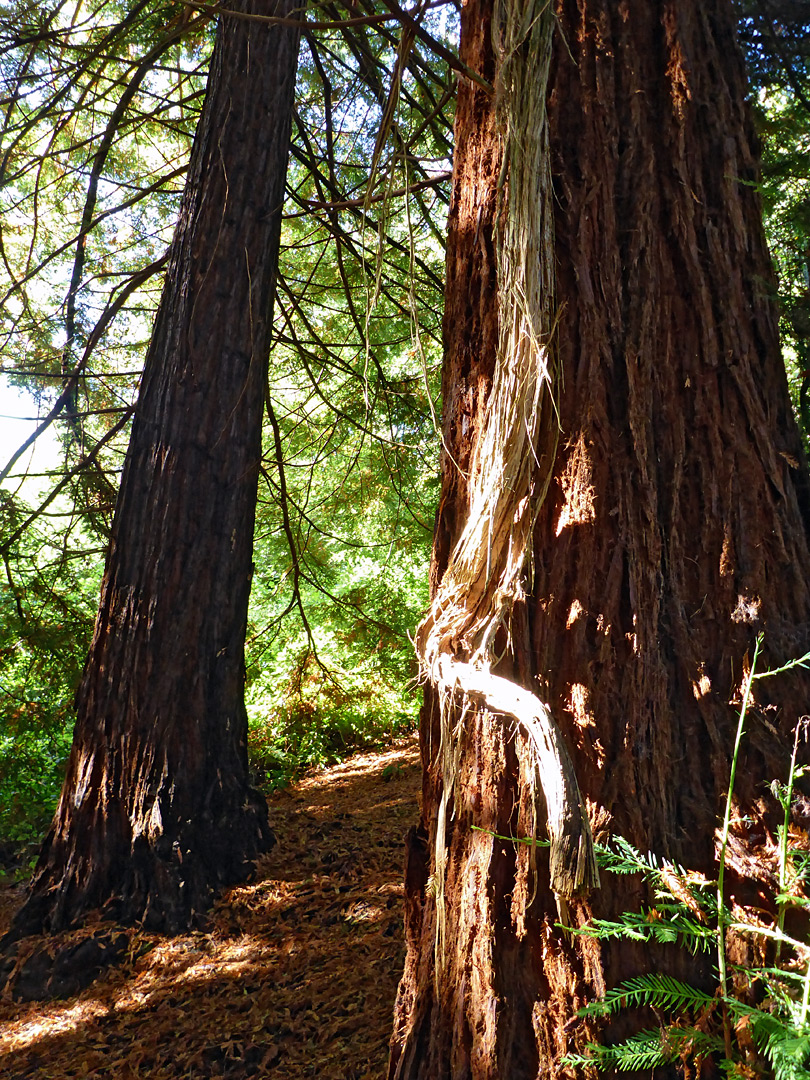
509, 472
573, 866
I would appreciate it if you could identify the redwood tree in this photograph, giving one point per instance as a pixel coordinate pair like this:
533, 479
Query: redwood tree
669, 529
157, 810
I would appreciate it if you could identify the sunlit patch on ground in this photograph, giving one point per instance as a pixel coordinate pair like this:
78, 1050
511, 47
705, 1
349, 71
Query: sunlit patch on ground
296, 973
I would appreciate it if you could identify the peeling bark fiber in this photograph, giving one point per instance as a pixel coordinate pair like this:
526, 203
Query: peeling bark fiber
675, 529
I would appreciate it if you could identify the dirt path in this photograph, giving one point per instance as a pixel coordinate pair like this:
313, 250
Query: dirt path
294, 977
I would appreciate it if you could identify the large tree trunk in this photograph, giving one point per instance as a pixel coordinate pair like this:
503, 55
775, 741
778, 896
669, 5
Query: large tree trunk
675, 528
157, 811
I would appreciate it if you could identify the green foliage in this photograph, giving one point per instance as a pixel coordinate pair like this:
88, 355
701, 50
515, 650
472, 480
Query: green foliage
660, 991
647, 1049
345, 681
666, 923
47, 604
102, 101
774, 35
679, 895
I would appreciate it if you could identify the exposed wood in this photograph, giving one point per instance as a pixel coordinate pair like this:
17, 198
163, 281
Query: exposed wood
572, 863
511, 461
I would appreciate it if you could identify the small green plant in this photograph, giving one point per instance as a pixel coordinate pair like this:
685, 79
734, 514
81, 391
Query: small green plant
319, 716
690, 911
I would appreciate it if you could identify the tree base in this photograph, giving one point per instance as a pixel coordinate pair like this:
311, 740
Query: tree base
164, 887
166, 895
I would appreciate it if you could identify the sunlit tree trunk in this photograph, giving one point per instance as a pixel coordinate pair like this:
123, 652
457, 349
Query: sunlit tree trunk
157, 810
674, 530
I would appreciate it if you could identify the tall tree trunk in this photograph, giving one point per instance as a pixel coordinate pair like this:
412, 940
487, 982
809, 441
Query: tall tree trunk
674, 530
157, 811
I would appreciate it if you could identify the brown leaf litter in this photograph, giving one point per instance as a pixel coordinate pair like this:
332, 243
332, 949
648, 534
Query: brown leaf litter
297, 971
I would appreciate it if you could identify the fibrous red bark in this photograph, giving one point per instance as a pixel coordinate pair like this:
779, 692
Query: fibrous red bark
676, 527
157, 810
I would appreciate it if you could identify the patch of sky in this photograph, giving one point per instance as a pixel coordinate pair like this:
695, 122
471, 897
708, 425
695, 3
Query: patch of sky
20, 417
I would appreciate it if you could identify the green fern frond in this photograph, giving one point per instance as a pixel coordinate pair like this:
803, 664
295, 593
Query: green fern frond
667, 924
623, 858
641, 1051
660, 991
793, 898
650, 1049
789, 1054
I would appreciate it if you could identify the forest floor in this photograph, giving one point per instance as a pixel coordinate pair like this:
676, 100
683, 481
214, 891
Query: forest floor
294, 975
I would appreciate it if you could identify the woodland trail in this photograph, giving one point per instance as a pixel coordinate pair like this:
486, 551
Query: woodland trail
293, 976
